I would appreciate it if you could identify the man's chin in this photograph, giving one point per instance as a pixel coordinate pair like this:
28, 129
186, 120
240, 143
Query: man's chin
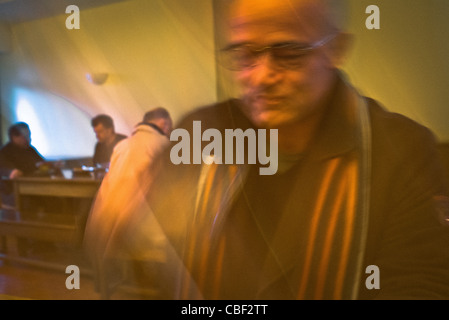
268, 121
266, 117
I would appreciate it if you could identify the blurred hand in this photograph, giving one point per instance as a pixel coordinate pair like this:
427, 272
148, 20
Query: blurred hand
16, 173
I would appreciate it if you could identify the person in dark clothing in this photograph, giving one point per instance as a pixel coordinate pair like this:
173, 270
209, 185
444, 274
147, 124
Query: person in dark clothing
356, 208
107, 138
18, 157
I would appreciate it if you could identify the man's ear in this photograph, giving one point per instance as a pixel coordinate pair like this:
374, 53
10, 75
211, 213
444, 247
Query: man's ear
339, 48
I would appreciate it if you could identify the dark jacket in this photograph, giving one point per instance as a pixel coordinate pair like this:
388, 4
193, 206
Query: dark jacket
300, 235
103, 152
15, 157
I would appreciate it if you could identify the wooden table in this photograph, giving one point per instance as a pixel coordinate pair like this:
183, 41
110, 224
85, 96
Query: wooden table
47, 209
58, 187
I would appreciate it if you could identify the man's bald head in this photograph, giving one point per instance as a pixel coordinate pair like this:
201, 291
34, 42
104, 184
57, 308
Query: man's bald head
284, 87
329, 16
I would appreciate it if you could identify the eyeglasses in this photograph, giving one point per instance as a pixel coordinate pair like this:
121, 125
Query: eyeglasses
285, 55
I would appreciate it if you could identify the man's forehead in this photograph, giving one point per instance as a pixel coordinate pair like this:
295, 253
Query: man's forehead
271, 7
255, 7
287, 14
100, 127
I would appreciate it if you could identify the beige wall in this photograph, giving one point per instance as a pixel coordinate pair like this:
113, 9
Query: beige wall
404, 64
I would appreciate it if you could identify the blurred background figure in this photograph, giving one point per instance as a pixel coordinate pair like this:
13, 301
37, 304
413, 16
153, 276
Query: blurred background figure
107, 138
120, 205
18, 158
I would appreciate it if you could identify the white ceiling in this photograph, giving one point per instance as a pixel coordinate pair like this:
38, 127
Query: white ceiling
13, 11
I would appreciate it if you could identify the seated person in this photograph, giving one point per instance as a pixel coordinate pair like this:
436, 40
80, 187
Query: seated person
18, 157
107, 138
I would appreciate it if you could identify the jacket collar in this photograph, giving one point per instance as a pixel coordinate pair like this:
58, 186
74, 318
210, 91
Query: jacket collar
143, 125
338, 130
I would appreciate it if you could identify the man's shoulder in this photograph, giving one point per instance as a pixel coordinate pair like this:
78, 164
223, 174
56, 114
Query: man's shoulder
122, 143
6, 147
34, 150
397, 131
380, 114
11, 149
5, 152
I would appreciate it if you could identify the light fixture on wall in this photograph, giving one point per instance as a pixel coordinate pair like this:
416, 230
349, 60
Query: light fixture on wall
97, 78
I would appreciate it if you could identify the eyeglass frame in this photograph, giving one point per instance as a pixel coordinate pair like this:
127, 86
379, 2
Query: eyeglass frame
260, 52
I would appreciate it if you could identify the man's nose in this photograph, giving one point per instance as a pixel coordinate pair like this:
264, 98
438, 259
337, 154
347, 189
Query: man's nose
266, 71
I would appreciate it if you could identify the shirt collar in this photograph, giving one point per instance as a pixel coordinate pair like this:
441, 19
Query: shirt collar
152, 125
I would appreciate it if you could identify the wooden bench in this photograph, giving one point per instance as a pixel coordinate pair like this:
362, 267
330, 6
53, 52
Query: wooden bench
52, 210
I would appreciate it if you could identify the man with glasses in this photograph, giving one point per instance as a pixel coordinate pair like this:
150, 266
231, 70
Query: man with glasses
356, 208
107, 138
